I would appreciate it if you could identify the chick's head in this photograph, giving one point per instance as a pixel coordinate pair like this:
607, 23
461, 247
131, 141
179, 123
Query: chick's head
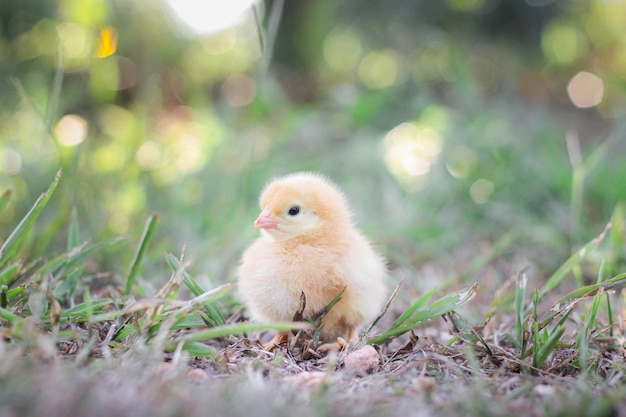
301, 204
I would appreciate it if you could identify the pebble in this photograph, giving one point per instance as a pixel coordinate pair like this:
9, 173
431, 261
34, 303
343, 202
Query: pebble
197, 375
363, 360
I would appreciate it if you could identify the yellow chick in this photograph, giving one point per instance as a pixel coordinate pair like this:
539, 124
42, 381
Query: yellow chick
309, 244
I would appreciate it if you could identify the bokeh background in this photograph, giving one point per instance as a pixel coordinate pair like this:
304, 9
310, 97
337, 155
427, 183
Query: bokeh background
458, 128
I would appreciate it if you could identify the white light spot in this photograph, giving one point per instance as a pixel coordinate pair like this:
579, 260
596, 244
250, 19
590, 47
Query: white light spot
585, 90
203, 17
11, 162
411, 150
71, 130
149, 155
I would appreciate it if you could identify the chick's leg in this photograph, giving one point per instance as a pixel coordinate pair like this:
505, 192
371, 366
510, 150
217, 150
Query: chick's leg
351, 333
276, 341
343, 343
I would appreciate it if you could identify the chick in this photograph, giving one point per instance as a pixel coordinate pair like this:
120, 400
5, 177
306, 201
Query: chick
309, 244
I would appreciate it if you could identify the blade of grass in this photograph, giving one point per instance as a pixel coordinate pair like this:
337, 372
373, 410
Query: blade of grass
227, 330
9, 274
72, 233
415, 306
200, 300
535, 327
465, 331
385, 308
436, 309
320, 314
5, 197
148, 230
617, 236
86, 309
582, 341
76, 255
194, 349
547, 346
576, 258
520, 296
8, 316
214, 314
578, 183
11, 245
4, 298
501, 297
55, 95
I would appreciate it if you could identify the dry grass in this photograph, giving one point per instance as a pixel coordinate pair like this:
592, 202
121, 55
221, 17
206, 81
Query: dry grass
494, 349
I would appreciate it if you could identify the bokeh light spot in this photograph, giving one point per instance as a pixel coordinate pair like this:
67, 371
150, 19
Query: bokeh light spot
379, 69
585, 90
209, 16
221, 42
73, 40
149, 155
11, 162
90, 13
342, 50
108, 158
71, 130
239, 90
410, 151
188, 154
481, 190
461, 162
563, 43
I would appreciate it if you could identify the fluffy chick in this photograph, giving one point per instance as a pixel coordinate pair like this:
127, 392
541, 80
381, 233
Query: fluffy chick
310, 244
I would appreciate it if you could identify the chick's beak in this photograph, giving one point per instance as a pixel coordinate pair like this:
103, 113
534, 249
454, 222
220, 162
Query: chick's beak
266, 220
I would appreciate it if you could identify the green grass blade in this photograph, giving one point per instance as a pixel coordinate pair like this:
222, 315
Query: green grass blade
320, 314
7, 315
227, 330
194, 349
547, 346
617, 235
583, 337
415, 306
76, 255
87, 308
148, 230
576, 258
215, 316
382, 313
201, 300
72, 233
565, 304
9, 274
11, 245
467, 332
4, 298
520, 295
436, 309
5, 197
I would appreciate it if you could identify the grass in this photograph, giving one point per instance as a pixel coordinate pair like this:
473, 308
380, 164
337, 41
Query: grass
57, 331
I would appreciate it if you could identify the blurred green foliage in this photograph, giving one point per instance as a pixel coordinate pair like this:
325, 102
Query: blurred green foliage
444, 121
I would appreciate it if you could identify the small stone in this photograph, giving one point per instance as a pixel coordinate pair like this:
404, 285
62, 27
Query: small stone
363, 360
197, 375
306, 379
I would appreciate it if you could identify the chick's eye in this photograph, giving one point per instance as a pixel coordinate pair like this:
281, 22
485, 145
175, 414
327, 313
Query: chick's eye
294, 211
